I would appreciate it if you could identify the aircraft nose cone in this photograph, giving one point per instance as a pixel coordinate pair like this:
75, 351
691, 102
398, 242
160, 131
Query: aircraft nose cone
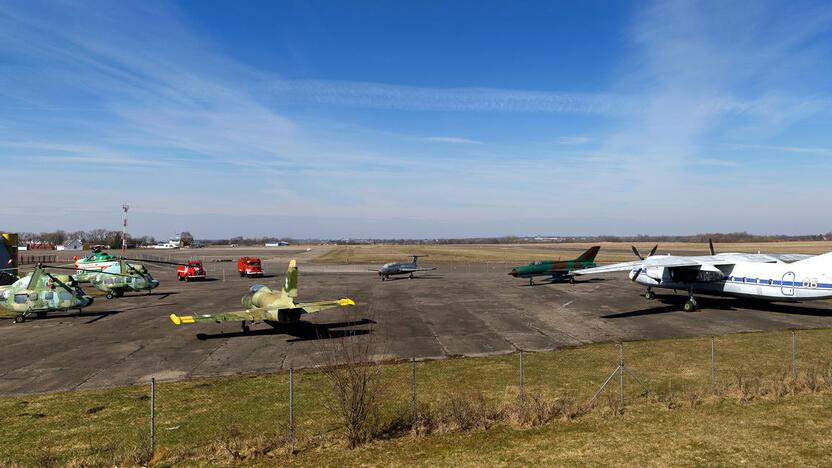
513, 272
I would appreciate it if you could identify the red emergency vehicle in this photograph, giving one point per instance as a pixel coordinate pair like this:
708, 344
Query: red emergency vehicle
249, 266
192, 271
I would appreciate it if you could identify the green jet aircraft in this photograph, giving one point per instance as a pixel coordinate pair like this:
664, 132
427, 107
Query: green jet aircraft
557, 269
263, 304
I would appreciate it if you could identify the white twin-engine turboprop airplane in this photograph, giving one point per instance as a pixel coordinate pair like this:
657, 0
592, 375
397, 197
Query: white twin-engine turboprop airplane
761, 276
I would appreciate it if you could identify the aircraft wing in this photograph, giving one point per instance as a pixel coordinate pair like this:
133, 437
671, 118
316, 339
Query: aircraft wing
413, 270
312, 307
238, 316
625, 266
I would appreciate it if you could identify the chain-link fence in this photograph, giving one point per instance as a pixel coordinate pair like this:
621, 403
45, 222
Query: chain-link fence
303, 405
236, 416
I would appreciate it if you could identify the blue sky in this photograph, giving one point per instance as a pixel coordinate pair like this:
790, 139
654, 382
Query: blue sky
426, 119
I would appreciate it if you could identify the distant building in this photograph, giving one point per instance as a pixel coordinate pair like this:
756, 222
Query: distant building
276, 244
74, 244
173, 243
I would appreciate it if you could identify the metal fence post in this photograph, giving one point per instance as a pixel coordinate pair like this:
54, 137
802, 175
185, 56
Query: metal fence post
413, 387
794, 356
713, 363
522, 389
621, 373
292, 405
152, 415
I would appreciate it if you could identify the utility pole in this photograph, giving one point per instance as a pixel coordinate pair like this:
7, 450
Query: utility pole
124, 207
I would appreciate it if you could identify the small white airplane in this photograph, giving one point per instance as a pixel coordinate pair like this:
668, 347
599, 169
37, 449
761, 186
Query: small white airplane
760, 276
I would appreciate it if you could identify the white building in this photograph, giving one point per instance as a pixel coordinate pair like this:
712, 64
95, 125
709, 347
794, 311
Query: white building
73, 244
173, 243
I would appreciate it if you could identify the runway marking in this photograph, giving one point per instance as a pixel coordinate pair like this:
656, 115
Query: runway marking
567, 304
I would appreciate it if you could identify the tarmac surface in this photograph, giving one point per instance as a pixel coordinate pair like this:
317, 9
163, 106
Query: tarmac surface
455, 311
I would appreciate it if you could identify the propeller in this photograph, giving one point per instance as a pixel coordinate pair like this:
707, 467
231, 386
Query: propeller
652, 252
711, 245
638, 254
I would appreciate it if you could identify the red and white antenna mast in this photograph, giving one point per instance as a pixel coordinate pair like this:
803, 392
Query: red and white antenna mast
124, 207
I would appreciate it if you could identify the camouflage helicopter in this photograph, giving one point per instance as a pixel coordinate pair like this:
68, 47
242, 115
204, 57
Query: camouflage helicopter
39, 293
272, 307
123, 277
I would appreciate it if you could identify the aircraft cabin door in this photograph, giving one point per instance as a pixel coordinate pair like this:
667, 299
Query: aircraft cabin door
787, 286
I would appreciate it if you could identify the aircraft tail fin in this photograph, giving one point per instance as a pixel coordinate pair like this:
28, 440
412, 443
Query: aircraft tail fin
589, 255
416, 258
290, 286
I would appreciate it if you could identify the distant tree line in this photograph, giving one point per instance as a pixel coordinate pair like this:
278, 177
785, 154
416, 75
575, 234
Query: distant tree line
112, 239
103, 237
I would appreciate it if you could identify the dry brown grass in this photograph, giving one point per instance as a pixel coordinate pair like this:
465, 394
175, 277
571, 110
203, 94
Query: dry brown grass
519, 253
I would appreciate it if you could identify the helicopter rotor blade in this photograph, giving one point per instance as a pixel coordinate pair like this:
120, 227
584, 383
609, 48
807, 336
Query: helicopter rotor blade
163, 262
61, 284
55, 267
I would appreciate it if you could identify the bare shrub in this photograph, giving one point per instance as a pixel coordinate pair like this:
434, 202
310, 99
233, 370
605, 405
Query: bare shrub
235, 446
45, 457
139, 454
533, 411
426, 420
466, 412
356, 383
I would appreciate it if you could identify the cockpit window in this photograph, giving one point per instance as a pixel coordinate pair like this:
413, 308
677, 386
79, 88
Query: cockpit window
256, 288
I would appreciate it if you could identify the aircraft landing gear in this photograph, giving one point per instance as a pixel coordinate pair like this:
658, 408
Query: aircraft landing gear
571, 280
649, 294
531, 281
110, 295
20, 318
246, 328
411, 276
691, 304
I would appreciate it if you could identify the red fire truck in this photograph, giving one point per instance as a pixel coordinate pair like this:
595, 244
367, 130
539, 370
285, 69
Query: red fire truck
249, 266
191, 271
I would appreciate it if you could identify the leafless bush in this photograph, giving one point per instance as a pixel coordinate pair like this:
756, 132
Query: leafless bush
139, 454
532, 411
466, 412
45, 457
356, 383
236, 446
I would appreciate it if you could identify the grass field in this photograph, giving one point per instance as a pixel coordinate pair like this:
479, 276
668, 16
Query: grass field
610, 252
754, 415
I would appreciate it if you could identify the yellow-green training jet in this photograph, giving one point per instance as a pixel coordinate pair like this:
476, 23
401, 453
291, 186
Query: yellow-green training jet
272, 307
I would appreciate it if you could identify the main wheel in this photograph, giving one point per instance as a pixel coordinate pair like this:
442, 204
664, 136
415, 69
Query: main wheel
20, 318
649, 295
571, 280
689, 306
246, 328
110, 295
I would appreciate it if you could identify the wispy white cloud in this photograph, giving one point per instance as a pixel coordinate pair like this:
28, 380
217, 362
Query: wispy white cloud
574, 140
808, 150
451, 139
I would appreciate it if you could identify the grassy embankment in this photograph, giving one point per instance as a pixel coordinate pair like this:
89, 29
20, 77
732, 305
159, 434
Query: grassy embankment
470, 413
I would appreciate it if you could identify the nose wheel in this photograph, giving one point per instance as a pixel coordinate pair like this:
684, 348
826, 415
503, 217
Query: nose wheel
690, 305
649, 294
